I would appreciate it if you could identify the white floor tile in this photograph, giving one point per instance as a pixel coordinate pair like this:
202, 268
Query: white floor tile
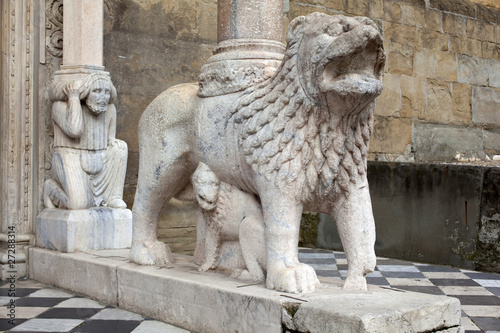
150, 326
47, 325
49, 292
397, 268
462, 290
481, 310
79, 303
117, 314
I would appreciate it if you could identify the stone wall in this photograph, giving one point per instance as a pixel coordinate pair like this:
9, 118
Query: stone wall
441, 92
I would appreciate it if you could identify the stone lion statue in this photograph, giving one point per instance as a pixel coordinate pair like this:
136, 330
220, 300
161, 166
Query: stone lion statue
228, 215
298, 141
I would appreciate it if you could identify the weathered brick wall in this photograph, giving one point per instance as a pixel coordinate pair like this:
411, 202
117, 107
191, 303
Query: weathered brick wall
442, 83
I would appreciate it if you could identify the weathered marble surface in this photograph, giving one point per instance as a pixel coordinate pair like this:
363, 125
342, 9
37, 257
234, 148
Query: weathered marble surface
81, 230
89, 162
299, 141
179, 294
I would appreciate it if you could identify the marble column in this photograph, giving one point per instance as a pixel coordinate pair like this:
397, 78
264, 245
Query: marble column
83, 196
250, 46
18, 167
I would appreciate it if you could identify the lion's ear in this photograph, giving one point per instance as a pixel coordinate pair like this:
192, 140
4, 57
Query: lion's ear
294, 29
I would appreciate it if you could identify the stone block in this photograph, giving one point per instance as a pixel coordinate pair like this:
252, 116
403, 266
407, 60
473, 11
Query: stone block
413, 96
472, 70
447, 66
454, 25
81, 273
492, 139
389, 102
488, 14
494, 74
360, 8
497, 33
207, 26
441, 143
457, 45
486, 105
81, 230
401, 34
390, 135
400, 59
422, 17
433, 40
212, 302
330, 4
473, 48
439, 101
425, 63
462, 102
392, 11
490, 50
377, 9
462, 7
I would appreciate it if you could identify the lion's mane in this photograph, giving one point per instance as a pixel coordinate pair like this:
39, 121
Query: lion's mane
293, 140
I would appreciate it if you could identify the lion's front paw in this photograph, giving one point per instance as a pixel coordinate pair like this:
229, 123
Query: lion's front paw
151, 253
355, 283
299, 278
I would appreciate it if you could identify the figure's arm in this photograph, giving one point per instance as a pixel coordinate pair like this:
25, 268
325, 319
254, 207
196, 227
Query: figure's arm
111, 123
68, 114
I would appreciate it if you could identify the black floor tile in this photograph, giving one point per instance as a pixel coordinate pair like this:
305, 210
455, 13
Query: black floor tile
478, 300
340, 255
107, 326
69, 313
44, 302
487, 323
432, 268
314, 251
327, 273
433, 290
454, 282
403, 275
393, 262
376, 280
494, 290
322, 261
483, 276
5, 325
342, 267
20, 292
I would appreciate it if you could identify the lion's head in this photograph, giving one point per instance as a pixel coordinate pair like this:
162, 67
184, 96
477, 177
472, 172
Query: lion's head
310, 124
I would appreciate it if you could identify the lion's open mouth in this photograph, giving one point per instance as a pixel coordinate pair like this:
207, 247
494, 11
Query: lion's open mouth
354, 67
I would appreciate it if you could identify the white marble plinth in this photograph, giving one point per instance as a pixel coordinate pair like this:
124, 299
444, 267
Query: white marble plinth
81, 230
212, 302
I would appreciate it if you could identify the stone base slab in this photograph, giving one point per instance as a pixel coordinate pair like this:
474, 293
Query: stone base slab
81, 230
212, 302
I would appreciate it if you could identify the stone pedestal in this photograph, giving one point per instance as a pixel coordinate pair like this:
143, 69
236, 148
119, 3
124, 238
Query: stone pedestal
82, 230
212, 302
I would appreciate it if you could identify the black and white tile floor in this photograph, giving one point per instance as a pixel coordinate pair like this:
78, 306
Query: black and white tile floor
40, 308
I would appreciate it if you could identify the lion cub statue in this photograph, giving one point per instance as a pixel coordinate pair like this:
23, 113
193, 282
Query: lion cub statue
228, 215
298, 141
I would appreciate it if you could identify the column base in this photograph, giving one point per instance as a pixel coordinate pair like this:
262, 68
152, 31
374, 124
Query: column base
81, 230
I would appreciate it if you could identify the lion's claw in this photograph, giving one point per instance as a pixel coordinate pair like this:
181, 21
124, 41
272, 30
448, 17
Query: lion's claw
300, 278
151, 253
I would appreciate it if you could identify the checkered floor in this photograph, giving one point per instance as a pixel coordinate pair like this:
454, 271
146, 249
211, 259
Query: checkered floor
40, 308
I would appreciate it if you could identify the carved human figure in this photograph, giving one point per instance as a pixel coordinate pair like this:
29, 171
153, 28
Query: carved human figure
229, 214
89, 163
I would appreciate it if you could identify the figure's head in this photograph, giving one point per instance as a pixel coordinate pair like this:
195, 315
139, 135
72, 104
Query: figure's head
98, 92
206, 187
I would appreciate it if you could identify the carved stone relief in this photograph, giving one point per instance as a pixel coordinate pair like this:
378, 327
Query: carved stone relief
54, 26
298, 141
